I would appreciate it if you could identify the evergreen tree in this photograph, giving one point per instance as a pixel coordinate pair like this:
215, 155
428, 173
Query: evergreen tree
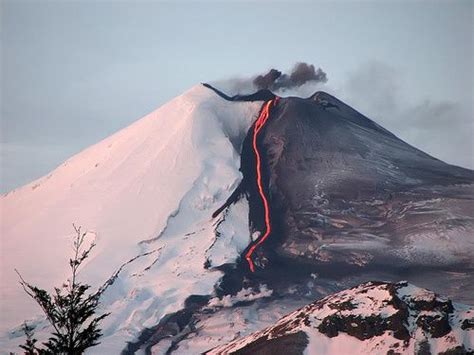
70, 309
29, 346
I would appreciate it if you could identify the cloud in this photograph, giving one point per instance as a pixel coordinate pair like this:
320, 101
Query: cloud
374, 86
442, 128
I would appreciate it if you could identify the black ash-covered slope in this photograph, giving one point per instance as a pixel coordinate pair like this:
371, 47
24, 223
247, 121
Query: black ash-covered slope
347, 196
337, 178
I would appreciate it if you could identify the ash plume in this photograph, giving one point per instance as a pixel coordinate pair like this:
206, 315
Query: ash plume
300, 75
303, 73
268, 80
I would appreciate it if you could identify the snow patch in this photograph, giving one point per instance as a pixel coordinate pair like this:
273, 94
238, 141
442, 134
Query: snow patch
244, 295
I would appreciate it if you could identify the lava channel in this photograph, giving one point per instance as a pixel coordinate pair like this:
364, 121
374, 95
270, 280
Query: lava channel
261, 120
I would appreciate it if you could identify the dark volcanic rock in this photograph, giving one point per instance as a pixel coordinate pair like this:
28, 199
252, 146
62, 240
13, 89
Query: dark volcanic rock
297, 342
260, 95
468, 324
437, 325
173, 326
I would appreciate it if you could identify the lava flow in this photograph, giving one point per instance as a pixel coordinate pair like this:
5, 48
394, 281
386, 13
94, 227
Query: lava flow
262, 119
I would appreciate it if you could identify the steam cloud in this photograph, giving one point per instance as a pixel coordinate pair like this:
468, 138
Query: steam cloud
300, 74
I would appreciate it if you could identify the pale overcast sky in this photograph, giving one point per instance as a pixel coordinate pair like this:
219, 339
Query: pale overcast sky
73, 72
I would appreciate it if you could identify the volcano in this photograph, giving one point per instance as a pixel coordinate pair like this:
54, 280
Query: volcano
246, 208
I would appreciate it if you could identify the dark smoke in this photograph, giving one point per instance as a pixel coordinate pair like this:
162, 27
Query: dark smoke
267, 80
300, 74
303, 73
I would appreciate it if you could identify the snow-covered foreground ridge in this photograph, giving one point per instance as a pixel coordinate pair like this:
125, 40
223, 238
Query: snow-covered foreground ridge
372, 318
145, 195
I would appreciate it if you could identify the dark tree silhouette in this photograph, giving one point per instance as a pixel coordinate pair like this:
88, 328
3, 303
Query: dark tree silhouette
30, 343
70, 309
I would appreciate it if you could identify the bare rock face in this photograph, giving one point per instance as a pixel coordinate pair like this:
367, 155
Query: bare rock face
374, 317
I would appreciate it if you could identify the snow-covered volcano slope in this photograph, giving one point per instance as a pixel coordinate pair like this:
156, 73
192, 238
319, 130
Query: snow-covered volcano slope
160, 177
372, 318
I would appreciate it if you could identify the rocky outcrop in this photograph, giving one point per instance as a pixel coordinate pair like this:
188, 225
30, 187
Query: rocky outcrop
374, 317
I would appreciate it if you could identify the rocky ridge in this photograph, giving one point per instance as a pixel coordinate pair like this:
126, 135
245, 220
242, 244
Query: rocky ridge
374, 317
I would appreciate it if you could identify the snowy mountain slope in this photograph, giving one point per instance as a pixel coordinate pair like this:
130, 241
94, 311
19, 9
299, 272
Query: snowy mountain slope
372, 318
145, 194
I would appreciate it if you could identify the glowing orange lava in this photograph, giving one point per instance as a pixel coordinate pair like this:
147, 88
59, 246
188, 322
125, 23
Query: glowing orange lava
261, 120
